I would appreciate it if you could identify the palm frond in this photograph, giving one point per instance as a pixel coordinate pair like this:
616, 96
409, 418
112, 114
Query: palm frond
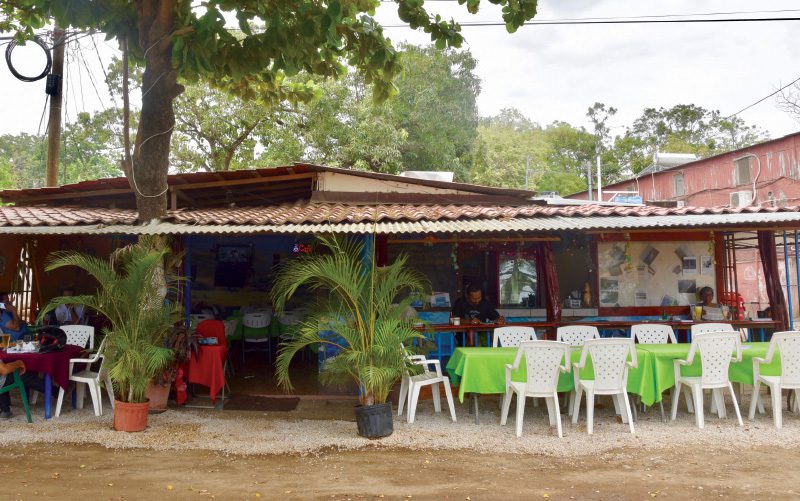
131, 289
364, 307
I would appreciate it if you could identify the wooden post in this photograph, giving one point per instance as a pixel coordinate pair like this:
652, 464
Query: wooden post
54, 121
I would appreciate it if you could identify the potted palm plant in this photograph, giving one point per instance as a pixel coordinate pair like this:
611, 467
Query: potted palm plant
131, 292
362, 304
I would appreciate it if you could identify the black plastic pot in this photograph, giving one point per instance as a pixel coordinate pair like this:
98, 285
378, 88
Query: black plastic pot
374, 421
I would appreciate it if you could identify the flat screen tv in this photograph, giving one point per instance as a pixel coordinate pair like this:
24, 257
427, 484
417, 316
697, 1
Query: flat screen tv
233, 265
234, 253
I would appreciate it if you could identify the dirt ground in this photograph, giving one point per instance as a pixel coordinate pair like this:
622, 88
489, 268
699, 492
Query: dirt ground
93, 472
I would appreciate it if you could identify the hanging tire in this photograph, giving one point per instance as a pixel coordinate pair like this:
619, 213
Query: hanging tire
374, 421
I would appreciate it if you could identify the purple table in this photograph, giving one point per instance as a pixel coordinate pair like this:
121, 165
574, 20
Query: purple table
54, 366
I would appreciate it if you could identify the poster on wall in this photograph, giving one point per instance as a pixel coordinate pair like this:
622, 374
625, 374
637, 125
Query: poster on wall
690, 265
609, 291
661, 273
706, 265
687, 286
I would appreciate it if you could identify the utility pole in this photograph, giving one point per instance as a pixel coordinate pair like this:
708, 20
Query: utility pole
589, 178
599, 182
527, 169
53, 89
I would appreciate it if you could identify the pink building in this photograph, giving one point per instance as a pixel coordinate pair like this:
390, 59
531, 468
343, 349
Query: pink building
765, 174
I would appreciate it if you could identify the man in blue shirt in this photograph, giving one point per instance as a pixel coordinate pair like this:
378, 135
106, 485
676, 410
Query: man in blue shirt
10, 323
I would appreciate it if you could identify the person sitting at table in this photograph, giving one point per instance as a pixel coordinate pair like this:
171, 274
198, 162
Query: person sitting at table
710, 310
70, 314
29, 379
475, 309
10, 323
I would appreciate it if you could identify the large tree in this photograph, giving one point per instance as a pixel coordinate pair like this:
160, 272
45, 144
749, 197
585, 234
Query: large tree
684, 128
178, 40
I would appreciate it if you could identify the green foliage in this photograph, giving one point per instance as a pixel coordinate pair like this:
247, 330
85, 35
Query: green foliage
275, 39
684, 128
23, 158
131, 293
91, 149
362, 304
558, 154
436, 103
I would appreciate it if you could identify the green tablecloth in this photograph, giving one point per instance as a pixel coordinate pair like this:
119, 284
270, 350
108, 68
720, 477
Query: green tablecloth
274, 329
482, 370
662, 355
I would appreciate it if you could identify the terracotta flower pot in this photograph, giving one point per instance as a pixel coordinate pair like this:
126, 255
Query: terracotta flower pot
158, 394
130, 417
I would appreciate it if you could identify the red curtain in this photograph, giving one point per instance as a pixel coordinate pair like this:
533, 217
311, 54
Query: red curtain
772, 277
552, 292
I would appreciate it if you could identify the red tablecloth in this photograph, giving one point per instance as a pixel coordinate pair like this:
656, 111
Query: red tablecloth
208, 369
56, 364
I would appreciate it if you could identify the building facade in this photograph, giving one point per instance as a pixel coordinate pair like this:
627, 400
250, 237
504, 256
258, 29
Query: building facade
763, 175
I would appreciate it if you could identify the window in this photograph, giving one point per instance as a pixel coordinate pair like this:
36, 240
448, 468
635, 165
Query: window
518, 279
741, 171
677, 181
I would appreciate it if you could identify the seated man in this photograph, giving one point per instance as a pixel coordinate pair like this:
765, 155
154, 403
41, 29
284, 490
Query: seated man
29, 379
70, 314
10, 323
475, 309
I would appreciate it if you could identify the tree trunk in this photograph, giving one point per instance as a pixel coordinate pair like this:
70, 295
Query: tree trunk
148, 177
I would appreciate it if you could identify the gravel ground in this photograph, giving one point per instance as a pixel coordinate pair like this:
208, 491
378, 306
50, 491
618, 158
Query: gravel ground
319, 426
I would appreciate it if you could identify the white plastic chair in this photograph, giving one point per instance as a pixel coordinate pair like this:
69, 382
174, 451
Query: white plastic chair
711, 327
512, 336
258, 321
544, 361
79, 335
653, 334
715, 356
431, 376
788, 345
610, 363
91, 379
576, 336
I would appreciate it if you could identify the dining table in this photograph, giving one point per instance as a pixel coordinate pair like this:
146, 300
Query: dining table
53, 365
208, 368
481, 371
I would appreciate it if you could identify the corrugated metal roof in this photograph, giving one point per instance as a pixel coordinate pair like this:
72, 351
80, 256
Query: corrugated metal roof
119, 186
522, 224
306, 214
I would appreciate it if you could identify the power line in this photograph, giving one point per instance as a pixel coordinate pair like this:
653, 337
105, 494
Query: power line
472, 24
651, 16
764, 98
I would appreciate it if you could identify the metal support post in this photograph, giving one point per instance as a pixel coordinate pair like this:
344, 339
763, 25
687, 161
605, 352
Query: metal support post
788, 282
796, 264
187, 272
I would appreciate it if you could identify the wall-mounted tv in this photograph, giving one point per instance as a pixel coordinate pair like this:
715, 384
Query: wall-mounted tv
233, 265
234, 253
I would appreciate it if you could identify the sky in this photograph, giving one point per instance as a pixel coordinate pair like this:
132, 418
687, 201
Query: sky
548, 72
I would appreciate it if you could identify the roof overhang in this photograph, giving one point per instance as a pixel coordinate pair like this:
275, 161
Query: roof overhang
732, 222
